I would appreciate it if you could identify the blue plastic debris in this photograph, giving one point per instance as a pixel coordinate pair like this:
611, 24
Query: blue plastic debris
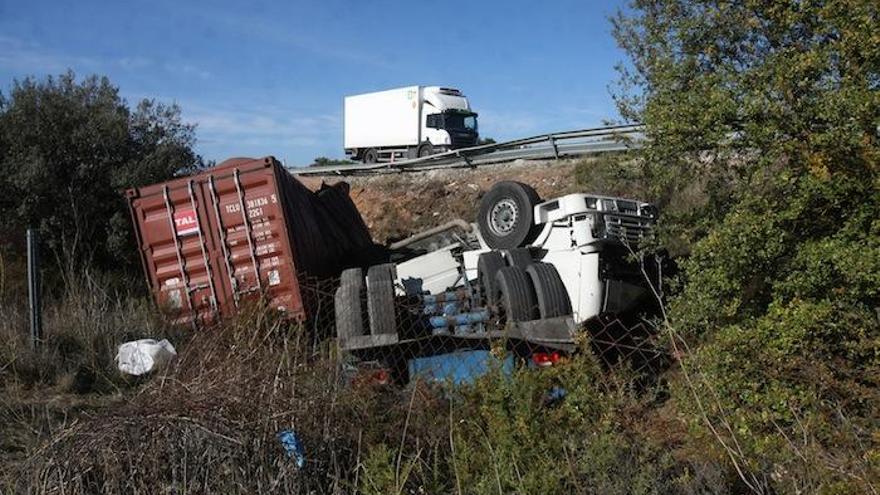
554, 395
459, 367
292, 447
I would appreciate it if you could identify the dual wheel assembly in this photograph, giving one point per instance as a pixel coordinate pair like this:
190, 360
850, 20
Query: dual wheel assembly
515, 288
369, 299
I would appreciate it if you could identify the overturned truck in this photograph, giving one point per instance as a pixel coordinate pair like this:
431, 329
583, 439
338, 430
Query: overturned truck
528, 274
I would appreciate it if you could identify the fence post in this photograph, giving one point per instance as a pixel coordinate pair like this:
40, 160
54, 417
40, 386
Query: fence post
34, 299
552, 140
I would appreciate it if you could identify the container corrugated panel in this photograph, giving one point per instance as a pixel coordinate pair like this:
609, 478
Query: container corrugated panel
239, 231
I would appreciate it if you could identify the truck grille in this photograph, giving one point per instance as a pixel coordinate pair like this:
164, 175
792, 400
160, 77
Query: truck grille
628, 229
462, 140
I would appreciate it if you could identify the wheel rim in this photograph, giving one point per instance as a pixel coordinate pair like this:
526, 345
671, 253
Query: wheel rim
503, 217
424, 151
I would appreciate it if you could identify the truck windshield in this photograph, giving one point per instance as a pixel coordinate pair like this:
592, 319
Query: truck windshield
461, 121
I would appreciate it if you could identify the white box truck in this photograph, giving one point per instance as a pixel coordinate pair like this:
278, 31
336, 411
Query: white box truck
410, 122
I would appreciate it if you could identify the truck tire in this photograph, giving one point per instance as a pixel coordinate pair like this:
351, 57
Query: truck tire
506, 215
380, 299
520, 257
516, 296
352, 276
385, 272
488, 265
349, 310
425, 149
371, 155
550, 292
380, 308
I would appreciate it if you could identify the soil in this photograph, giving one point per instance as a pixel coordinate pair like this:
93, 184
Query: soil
399, 204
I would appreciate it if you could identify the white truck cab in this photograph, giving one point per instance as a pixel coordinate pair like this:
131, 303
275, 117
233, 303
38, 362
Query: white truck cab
409, 122
573, 231
447, 119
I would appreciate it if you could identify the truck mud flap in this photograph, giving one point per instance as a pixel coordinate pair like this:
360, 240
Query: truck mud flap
556, 333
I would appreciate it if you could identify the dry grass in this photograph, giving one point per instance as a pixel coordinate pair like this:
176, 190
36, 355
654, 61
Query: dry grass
72, 371
209, 424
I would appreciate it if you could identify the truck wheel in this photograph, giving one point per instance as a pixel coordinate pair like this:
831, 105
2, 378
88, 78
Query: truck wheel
506, 215
516, 296
347, 305
488, 265
371, 156
520, 257
386, 272
352, 276
550, 292
425, 149
380, 308
380, 299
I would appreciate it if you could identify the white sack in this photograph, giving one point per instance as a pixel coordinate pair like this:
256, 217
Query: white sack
139, 357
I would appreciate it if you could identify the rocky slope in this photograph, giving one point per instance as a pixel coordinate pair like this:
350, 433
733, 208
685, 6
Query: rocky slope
396, 205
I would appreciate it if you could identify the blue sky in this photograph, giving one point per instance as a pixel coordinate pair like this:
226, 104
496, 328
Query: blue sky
268, 78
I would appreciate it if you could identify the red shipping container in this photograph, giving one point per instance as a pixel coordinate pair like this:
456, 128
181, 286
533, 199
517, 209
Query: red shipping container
241, 230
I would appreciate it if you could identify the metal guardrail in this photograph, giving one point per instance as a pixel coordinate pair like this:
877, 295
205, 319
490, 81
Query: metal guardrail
555, 145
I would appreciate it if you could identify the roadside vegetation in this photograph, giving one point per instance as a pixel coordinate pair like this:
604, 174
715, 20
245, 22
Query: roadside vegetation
775, 110
323, 160
762, 155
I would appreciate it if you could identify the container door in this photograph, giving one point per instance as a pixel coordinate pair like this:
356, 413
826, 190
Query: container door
254, 248
177, 250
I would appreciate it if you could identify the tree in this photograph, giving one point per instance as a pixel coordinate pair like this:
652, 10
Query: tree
772, 109
323, 160
793, 84
69, 150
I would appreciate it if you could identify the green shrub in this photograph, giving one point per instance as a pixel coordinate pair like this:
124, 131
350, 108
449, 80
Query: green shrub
510, 439
68, 150
779, 306
773, 110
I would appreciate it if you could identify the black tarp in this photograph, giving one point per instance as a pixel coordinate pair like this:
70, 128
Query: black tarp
327, 232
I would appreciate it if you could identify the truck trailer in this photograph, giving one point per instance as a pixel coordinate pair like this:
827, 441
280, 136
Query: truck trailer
410, 122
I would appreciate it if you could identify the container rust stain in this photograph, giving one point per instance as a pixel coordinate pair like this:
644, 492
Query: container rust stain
240, 231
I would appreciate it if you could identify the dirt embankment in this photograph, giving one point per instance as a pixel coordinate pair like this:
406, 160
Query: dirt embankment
396, 205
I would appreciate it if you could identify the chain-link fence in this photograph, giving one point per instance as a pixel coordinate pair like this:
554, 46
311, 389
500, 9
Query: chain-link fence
384, 336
